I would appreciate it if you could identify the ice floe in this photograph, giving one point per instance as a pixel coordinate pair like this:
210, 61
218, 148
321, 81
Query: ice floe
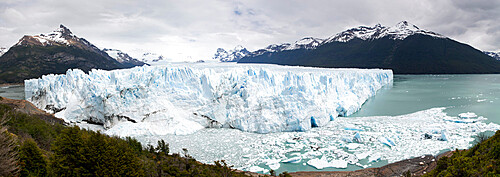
324, 147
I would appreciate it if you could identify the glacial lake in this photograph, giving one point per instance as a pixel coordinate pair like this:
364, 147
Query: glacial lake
458, 93
409, 96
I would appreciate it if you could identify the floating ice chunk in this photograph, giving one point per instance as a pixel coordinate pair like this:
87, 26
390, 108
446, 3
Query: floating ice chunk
467, 115
338, 164
481, 100
347, 139
273, 163
352, 146
357, 138
465, 121
363, 155
274, 166
374, 157
256, 169
443, 136
318, 163
323, 163
386, 141
292, 160
311, 154
353, 129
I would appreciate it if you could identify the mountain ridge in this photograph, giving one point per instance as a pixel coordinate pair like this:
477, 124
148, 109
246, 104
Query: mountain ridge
232, 55
53, 53
404, 48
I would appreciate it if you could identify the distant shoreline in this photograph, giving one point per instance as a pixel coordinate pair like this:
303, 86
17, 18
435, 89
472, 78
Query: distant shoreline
11, 84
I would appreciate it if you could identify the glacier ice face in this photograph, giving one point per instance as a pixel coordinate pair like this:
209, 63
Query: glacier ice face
183, 98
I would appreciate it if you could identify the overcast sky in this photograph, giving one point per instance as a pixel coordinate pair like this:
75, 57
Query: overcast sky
193, 30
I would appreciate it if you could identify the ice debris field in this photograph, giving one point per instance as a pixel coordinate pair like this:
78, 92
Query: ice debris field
346, 142
269, 112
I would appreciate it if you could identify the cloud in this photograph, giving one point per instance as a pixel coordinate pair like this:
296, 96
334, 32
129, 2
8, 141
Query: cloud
195, 29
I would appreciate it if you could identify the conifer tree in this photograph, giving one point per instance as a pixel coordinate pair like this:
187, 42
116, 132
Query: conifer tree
33, 162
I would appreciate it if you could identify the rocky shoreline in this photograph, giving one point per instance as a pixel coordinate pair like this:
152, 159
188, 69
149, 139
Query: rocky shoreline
11, 84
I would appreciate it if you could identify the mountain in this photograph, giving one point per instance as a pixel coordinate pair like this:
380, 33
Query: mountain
52, 53
232, 55
3, 50
123, 58
404, 48
493, 54
153, 59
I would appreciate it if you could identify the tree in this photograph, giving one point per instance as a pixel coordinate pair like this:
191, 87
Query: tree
66, 160
163, 147
481, 137
8, 154
33, 162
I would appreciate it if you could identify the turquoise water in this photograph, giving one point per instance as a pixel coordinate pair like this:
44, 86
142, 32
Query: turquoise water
459, 93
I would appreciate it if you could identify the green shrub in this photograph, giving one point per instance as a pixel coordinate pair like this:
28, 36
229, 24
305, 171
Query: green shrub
32, 160
480, 160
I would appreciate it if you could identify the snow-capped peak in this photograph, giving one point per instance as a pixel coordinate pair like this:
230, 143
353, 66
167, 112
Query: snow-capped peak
238, 47
493, 54
61, 36
404, 25
122, 57
232, 55
153, 59
305, 43
118, 55
399, 31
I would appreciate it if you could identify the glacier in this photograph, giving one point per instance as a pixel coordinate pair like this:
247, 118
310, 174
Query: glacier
186, 97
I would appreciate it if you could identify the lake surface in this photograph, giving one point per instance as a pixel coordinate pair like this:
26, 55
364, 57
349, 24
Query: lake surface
459, 93
412, 105
12, 92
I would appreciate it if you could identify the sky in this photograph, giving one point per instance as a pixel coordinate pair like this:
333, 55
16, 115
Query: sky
193, 30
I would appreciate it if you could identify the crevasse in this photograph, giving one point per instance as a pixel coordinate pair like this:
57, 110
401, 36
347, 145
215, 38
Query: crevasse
183, 98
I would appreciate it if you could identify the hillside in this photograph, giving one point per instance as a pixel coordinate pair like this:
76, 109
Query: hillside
48, 148
480, 160
53, 53
404, 48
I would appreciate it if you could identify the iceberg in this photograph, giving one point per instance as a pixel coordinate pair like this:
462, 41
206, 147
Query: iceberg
184, 98
352, 146
292, 160
467, 115
387, 141
443, 136
323, 163
357, 138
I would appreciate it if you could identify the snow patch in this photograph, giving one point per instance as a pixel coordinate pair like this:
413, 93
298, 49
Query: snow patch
398, 32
